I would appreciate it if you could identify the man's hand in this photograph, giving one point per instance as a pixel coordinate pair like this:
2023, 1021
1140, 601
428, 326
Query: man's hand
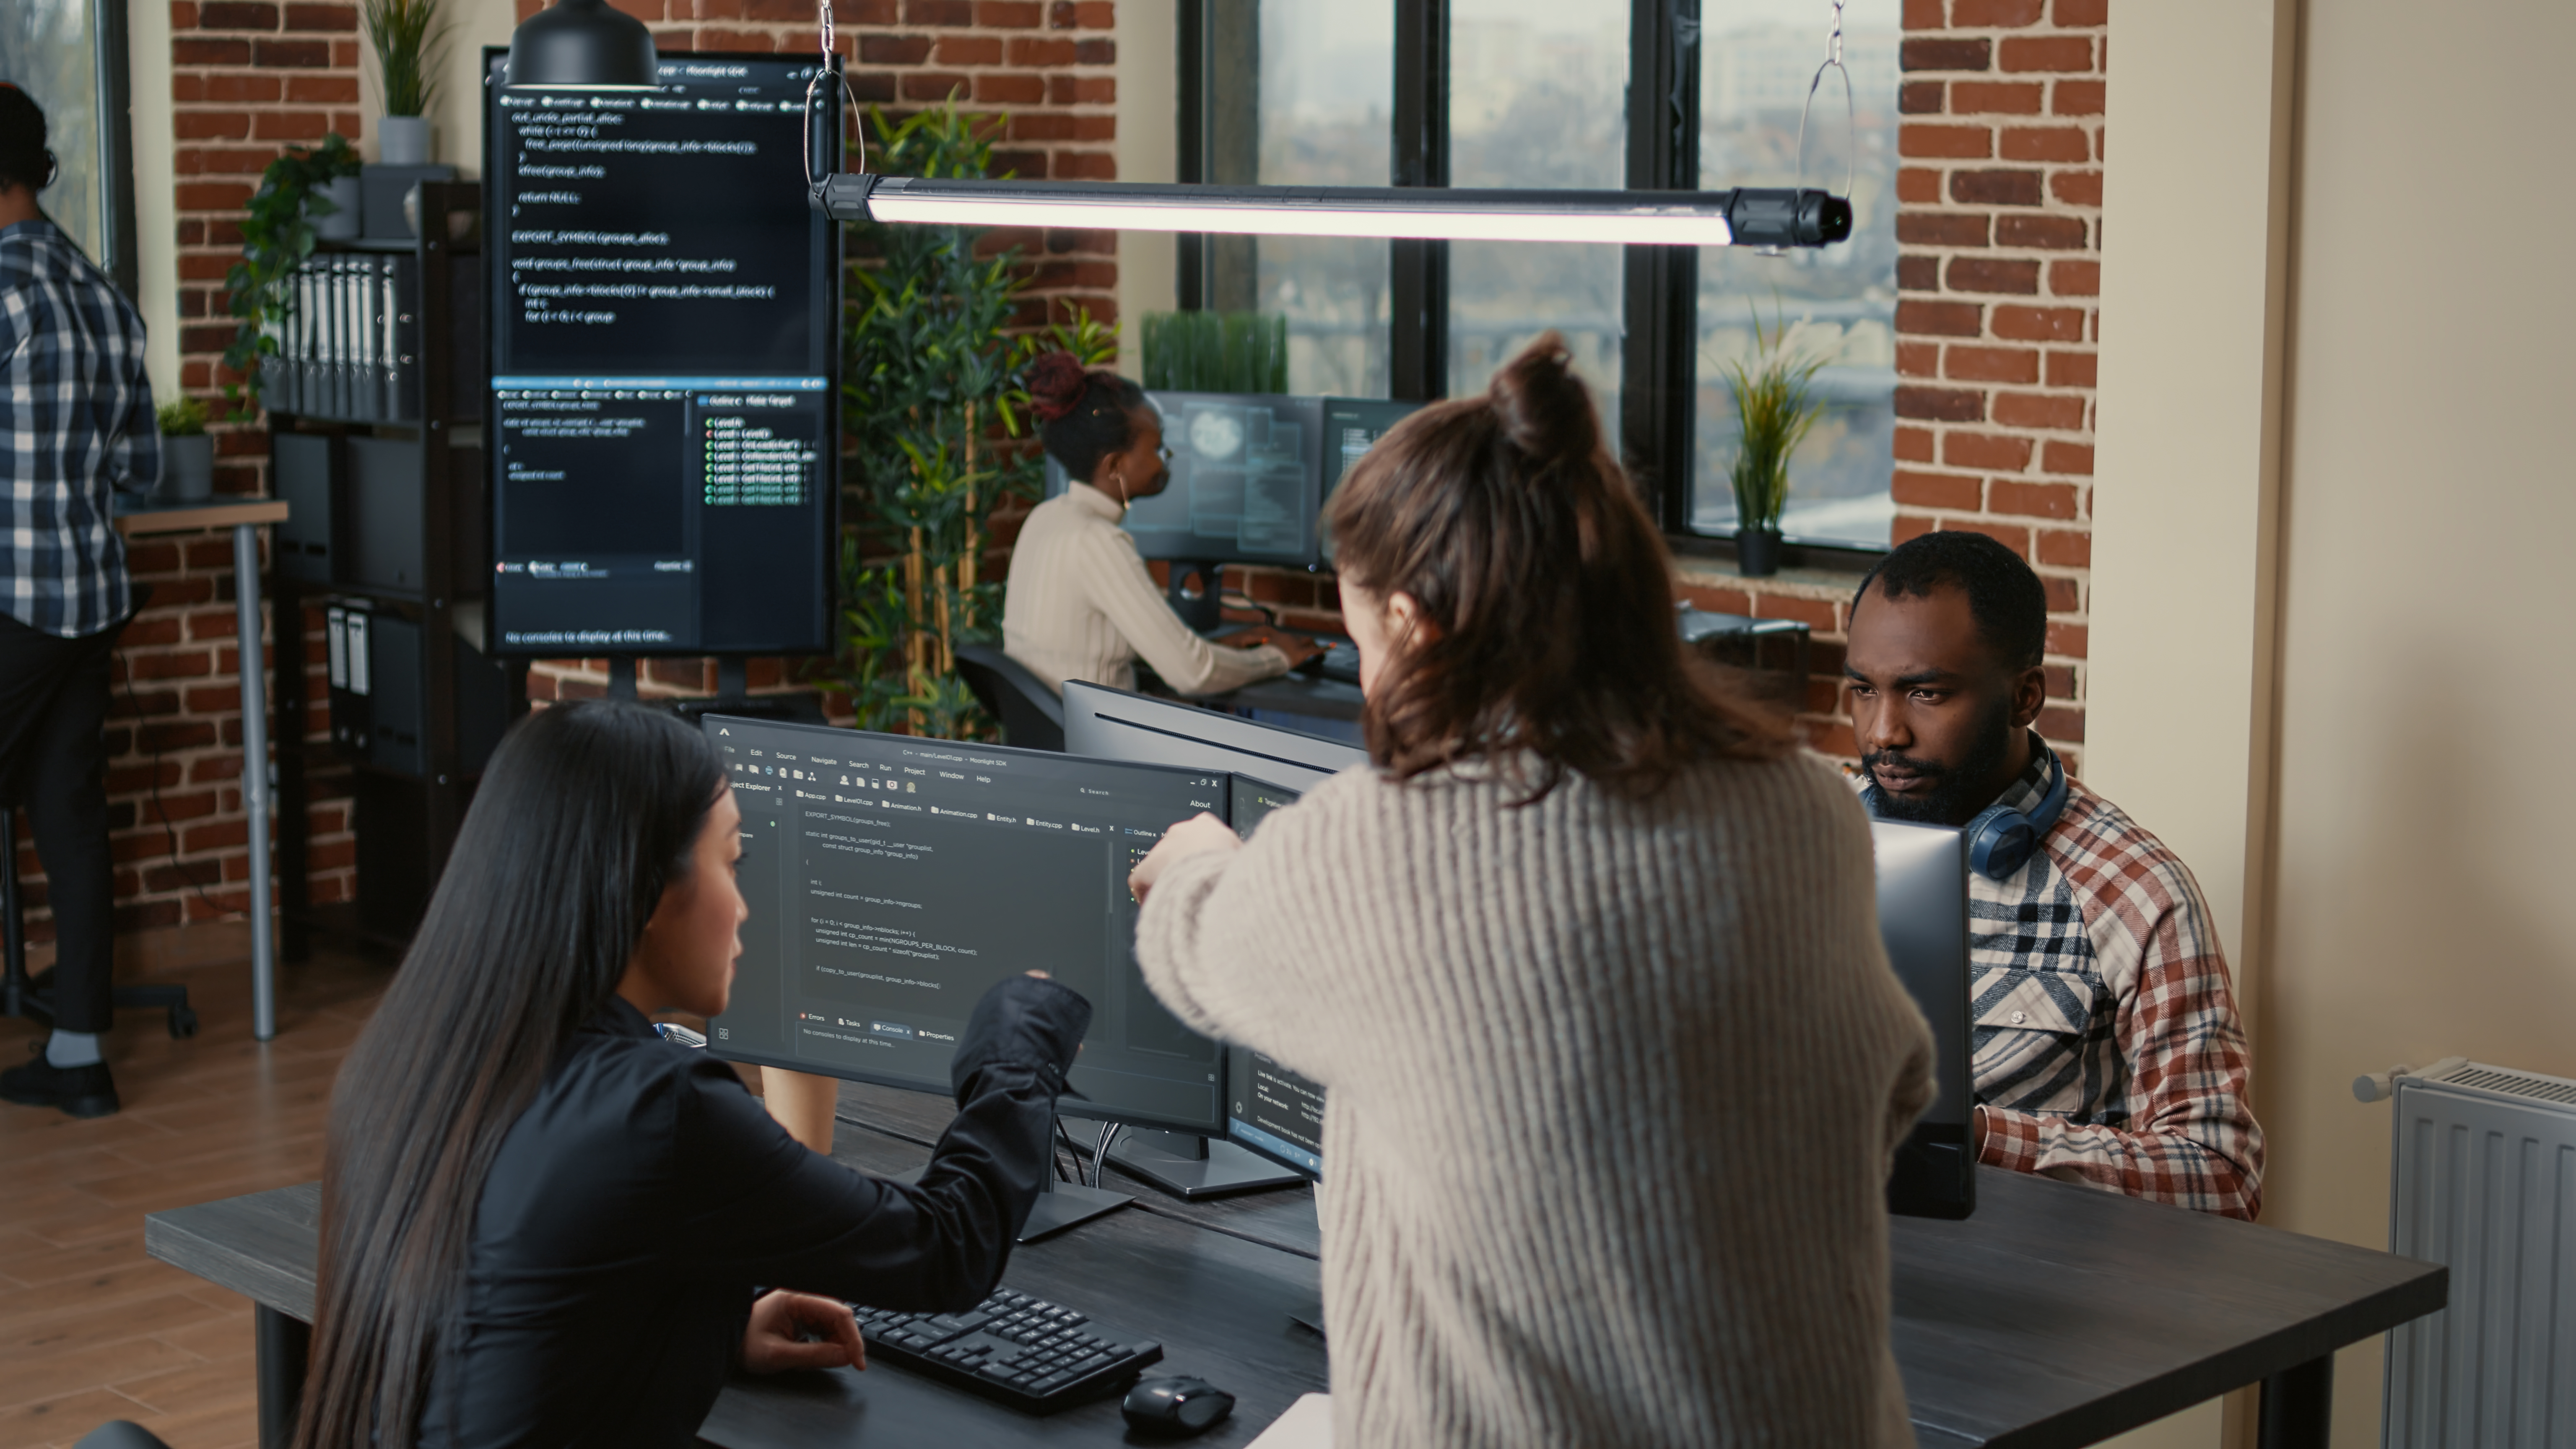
1201, 834
774, 1342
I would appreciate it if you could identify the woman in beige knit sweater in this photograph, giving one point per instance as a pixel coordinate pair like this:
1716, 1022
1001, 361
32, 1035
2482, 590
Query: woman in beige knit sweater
1589, 963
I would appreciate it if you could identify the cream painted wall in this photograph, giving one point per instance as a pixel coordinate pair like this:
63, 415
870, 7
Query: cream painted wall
2177, 676
2325, 548
456, 108
156, 215
456, 124
2423, 845
1148, 150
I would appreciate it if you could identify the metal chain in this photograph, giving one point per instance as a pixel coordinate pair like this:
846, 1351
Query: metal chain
1835, 55
824, 9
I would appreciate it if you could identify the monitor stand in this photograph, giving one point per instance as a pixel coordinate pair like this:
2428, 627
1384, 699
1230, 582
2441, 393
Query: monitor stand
1063, 1205
1060, 1205
1194, 1168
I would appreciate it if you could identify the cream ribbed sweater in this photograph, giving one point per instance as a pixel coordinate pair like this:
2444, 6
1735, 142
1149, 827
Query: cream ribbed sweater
1081, 606
1613, 1089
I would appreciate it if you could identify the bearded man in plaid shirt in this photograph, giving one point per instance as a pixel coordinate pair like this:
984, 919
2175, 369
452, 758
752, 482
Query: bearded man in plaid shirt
75, 424
2108, 1047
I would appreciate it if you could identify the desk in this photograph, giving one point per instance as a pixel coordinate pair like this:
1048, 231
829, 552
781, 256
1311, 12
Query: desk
243, 516
2057, 1316
1307, 702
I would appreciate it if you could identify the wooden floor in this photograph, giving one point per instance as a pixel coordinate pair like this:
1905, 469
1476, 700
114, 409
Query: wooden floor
90, 1328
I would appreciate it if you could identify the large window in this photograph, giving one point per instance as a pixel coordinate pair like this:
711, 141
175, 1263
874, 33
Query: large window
1561, 93
1535, 100
1758, 58
1327, 104
69, 56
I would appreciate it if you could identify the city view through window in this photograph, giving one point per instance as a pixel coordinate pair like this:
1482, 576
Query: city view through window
1538, 92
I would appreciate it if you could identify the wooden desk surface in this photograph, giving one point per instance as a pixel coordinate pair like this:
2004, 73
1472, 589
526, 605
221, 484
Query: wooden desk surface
194, 517
2057, 1316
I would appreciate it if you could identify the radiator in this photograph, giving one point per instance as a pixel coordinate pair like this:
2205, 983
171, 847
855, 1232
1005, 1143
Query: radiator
2483, 1180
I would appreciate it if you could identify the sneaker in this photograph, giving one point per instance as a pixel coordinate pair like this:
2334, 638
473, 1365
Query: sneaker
80, 1091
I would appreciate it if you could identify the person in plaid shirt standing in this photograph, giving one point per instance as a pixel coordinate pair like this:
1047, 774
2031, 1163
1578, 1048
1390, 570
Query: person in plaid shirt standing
76, 423
2108, 1047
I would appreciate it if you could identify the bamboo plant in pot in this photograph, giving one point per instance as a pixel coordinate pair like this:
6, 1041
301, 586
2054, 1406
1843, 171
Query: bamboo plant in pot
1774, 409
405, 35
187, 453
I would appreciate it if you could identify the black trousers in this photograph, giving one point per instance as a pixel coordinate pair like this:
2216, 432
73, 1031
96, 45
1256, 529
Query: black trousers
53, 760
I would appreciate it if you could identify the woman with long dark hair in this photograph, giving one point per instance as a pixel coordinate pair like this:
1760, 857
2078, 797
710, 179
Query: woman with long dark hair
1588, 961
542, 1224
1080, 604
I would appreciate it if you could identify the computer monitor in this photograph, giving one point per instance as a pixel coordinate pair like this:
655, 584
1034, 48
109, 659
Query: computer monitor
1352, 426
663, 312
891, 880
1923, 919
1247, 478
1113, 724
1116, 725
1268, 1108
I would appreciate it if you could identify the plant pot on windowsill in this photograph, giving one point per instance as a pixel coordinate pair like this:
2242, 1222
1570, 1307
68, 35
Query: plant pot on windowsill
1757, 552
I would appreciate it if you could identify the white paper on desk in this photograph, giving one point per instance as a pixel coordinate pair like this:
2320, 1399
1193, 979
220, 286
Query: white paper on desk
1308, 1424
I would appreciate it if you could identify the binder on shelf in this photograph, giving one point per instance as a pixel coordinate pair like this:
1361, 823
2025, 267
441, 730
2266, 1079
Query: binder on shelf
343, 328
369, 372
328, 341
402, 339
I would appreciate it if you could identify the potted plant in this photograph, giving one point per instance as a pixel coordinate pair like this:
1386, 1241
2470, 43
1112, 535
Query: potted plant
187, 454
1774, 409
932, 406
405, 34
277, 235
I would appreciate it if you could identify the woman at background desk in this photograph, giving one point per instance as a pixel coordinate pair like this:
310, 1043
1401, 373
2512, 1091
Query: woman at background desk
1588, 963
1080, 604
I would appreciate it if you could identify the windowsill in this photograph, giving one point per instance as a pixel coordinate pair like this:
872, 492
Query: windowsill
1715, 557
1831, 586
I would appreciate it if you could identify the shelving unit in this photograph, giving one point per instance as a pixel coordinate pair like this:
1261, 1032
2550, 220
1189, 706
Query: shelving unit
389, 522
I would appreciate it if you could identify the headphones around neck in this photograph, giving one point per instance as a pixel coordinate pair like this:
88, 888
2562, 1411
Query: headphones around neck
2002, 839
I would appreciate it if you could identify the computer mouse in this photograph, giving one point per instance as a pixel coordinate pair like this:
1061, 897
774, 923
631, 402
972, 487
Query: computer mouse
1173, 1408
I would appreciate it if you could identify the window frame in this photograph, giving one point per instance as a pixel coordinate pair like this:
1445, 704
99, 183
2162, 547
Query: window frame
1659, 305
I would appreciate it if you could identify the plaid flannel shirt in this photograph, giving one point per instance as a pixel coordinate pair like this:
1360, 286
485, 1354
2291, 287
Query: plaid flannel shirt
76, 423
2108, 1047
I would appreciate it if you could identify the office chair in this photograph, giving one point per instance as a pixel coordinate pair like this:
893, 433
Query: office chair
1032, 715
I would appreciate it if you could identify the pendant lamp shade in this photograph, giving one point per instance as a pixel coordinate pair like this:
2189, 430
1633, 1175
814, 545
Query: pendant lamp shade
583, 45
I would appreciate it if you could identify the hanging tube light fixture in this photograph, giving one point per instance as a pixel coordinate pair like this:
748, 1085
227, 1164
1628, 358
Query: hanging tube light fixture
1746, 216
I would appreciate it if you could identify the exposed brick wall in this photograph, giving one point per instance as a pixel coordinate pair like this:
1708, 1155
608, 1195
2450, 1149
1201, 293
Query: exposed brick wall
1047, 65
2000, 219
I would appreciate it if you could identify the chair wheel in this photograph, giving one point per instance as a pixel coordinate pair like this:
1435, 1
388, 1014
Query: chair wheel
183, 1022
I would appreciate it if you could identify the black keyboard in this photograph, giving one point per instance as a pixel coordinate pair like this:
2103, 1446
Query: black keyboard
1033, 1355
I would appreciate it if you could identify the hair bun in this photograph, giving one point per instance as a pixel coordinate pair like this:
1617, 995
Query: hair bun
1056, 385
1544, 408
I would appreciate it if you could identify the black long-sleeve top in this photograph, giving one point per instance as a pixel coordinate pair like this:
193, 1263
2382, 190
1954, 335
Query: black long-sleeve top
644, 1194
